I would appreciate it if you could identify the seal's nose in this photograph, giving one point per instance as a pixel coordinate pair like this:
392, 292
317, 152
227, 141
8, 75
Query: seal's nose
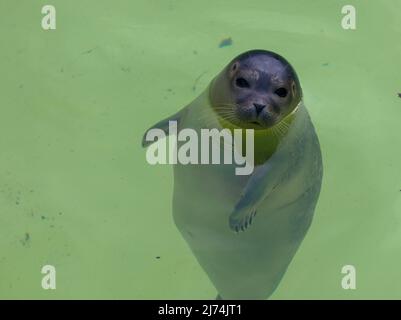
259, 108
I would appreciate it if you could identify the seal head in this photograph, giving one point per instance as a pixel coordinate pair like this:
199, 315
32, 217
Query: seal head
256, 90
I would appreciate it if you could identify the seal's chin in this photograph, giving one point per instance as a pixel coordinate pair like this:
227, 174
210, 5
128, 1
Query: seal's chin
235, 122
256, 125
265, 123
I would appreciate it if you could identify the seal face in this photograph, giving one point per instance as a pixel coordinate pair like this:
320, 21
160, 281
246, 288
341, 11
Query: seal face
256, 90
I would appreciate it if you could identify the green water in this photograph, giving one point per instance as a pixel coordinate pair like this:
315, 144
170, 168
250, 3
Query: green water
76, 191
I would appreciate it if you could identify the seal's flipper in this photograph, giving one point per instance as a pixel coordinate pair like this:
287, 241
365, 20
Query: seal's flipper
239, 225
163, 125
260, 184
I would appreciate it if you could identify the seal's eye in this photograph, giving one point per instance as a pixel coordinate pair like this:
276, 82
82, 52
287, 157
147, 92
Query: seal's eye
242, 83
281, 92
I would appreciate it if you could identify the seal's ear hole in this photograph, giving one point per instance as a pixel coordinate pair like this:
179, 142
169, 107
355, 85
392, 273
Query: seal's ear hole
242, 83
294, 89
281, 92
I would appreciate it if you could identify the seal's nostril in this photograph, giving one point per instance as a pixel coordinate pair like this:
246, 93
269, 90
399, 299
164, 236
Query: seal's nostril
259, 107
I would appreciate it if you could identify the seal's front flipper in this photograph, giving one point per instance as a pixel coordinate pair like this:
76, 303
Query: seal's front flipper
260, 184
162, 125
243, 223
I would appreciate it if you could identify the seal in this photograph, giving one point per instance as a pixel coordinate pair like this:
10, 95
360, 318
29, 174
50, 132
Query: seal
245, 230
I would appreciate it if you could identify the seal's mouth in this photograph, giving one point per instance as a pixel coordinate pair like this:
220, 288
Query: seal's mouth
258, 126
230, 119
243, 124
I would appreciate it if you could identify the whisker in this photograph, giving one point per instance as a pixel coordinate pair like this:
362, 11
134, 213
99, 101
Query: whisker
226, 104
275, 133
278, 131
282, 131
284, 126
226, 111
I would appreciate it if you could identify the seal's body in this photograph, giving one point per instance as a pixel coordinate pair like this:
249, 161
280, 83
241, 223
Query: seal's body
211, 204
